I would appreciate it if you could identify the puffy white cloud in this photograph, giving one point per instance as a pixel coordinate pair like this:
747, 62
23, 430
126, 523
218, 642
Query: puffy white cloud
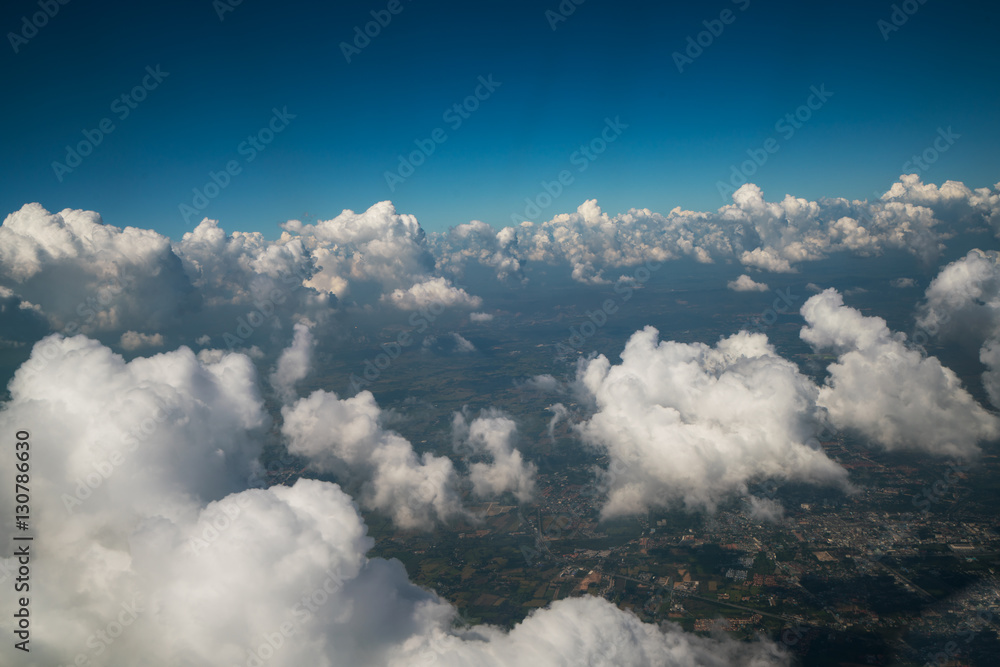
243, 267
169, 559
989, 355
133, 340
584, 631
766, 259
963, 300
772, 236
86, 276
294, 363
544, 382
480, 318
694, 424
434, 292
891, 393
476, 241
746, 284
765, 509
345, 436
963, 303
493, 434
377, 247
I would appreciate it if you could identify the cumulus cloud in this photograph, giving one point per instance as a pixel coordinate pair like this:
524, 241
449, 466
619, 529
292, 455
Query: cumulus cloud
492, 434
694, 424
158, 559
344, 436
766, 259
433, 292
962, 304
544, 382
765, 509
773, 236
86, 276
963, 300
375, 255
133, 340
746, 284
480, 318
888, 391
453, 343
586, 631
293, 364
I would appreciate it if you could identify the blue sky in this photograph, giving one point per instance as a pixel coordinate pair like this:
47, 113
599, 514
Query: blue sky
352, 120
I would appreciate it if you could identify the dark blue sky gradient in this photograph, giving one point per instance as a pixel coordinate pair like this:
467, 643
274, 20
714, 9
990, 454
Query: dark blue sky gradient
608, 59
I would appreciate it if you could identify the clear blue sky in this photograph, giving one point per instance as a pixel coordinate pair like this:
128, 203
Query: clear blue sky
353, 120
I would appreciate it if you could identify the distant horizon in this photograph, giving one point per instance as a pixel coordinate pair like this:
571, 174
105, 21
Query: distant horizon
550, 212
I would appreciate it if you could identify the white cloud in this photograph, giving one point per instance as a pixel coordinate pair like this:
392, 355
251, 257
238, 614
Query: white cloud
133, 340
433, 292
963, 300
492, 434
544, 382
765, 509
693, 424
344, 436
480, 318
766, 260
293, 364
746, 284
166, 553
89, 276
891, 393
962, 304
772, 236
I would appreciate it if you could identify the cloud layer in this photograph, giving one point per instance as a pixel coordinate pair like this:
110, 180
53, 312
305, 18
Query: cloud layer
170, 553
893, 394
696, 424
